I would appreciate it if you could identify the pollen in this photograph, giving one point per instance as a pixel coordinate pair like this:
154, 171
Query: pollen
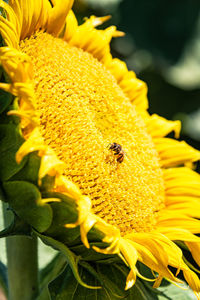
82, 112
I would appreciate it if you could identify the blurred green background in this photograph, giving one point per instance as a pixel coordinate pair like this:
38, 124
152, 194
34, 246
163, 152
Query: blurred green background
162, 45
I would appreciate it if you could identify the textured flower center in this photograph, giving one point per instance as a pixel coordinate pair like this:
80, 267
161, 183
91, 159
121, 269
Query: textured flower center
83, 111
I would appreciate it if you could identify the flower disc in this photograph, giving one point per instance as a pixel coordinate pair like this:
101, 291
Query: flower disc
82, 111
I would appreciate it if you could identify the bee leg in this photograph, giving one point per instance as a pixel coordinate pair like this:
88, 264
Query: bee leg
120, 158
116, 153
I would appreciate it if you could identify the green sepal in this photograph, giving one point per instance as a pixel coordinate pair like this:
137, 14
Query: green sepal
5, 98
25, 199
64, 212
3, 278
30, 170
68, 203
6, 119
181, 245
92, 255
95, 237
48, 183
72, 259
10, 141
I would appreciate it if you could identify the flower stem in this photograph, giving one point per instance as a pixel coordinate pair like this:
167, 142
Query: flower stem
22, 264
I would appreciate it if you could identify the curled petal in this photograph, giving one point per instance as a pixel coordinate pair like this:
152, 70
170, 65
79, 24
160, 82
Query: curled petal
130, 280
50, 164
16, 64
63, 185
35, 142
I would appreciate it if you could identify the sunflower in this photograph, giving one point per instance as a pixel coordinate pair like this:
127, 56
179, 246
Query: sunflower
71, 104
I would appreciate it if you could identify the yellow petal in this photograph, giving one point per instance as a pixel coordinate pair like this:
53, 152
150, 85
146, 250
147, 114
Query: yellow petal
29, 115
154, 260
193, 281
118, 68
57, 15
15, 5
112, 237
169, 219
131, 256
96, 21
178, 234
173, 153
96, 42
131, 279
71, 26
136, 90
85, 228
10, 14
31, 15
182, 190
192, 241
17, 65
191, 209
194, 248
160, 127
85, 220
9, 26
8, 33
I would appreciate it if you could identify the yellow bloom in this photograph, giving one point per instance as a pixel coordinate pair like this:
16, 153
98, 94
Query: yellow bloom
74, 100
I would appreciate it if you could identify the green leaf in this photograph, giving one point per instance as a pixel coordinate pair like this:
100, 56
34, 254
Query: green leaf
111, 277
49, 273
139, 291
5, 98
52, 269
24, 198
3, 278
66, 287
173, 292
114, 280
72, 259
10, 141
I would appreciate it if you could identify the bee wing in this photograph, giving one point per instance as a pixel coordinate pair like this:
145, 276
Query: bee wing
109, 145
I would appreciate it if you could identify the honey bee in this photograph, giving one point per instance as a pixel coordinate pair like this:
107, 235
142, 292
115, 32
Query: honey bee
117, 149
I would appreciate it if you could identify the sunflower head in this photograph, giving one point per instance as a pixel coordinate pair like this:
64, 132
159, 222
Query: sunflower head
97, 166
